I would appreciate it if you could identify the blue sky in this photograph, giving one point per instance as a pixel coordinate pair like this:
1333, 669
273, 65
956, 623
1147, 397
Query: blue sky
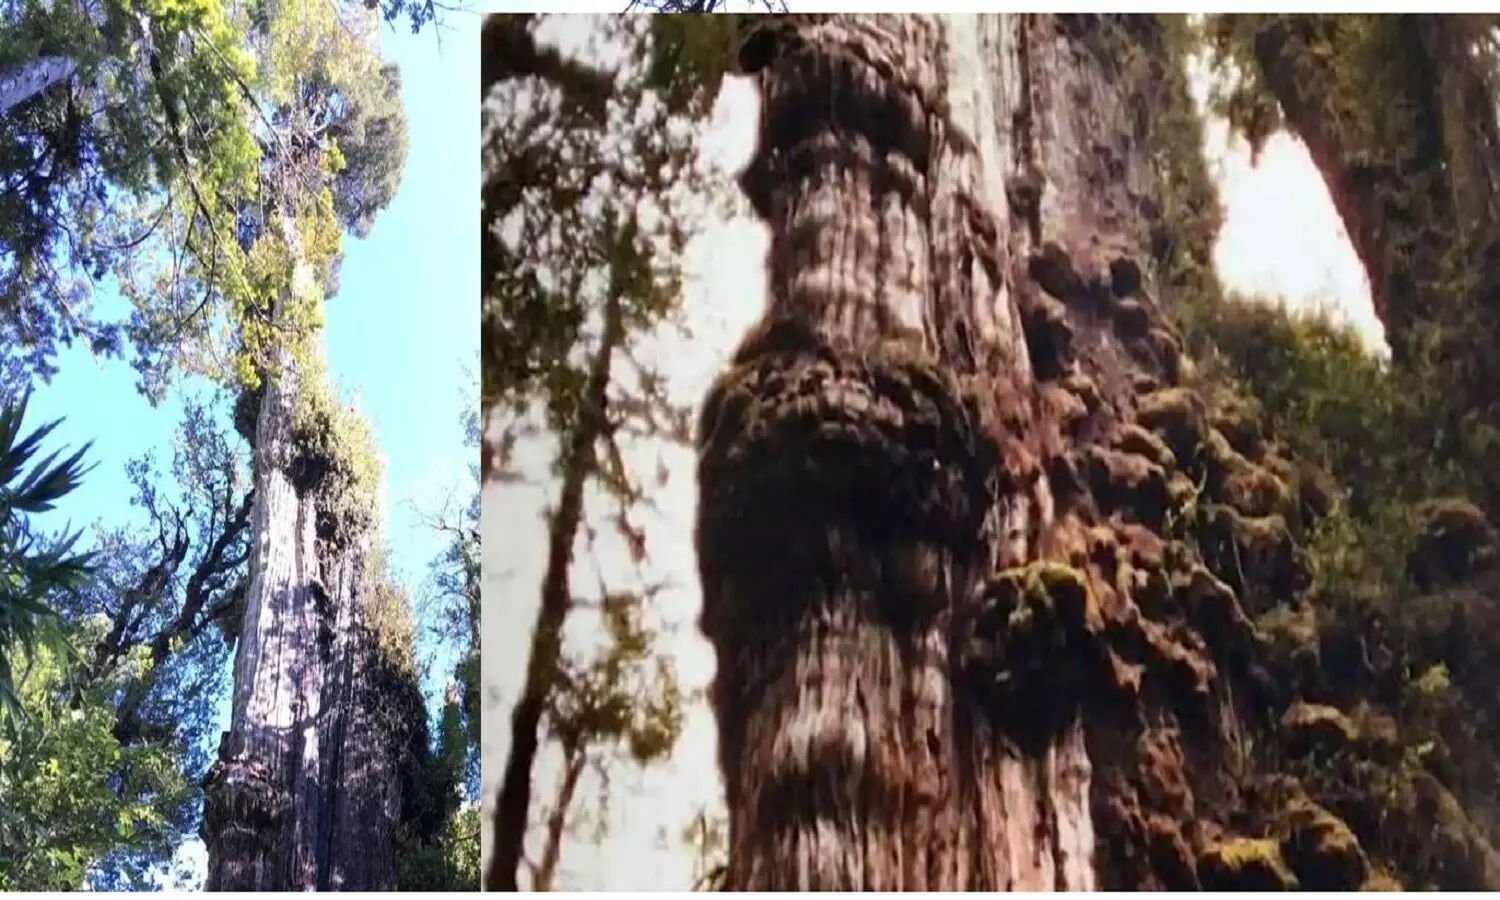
402, 332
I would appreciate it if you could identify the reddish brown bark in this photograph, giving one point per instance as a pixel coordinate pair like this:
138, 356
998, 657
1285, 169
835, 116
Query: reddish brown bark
960, 314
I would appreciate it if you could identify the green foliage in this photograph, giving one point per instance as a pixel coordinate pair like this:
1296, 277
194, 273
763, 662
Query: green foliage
438, 848
416, 12
1334, 406
455, 576
372, 142
1387, 107
204, 155
707, 838
32, 566
146, 657
690, 55
1324, 393
623, 696
337, 145
73, 793
189, 127
386, 614
1398, 616
592, 189
1355, 65
576, 212
1237, 91
450, 862
335, 458
437, 844
101, 163
324, 61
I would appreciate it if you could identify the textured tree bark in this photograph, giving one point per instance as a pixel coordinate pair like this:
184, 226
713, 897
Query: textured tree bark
305, 794
957, 207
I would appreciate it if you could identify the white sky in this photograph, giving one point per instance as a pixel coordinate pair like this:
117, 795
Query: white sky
1281, 237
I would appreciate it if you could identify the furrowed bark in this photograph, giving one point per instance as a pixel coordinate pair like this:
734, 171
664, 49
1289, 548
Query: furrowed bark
955, 205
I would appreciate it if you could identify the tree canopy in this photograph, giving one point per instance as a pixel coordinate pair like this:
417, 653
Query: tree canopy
149, 171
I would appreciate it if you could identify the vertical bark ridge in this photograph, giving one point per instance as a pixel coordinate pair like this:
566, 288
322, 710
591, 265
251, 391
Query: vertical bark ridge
959, 321
268, 742
837, 675
885, 273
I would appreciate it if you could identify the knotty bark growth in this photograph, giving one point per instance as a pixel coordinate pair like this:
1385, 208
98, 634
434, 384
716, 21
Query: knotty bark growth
950, 652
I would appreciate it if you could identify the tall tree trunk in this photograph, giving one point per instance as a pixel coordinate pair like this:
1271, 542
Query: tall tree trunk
29, 79
960, 323
305, 794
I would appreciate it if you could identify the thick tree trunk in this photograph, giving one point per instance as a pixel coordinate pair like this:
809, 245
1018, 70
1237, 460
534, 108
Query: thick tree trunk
305, 795
29, 79
960, 320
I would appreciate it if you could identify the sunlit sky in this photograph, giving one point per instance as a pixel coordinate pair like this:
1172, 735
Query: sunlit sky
1281, 237
401, 334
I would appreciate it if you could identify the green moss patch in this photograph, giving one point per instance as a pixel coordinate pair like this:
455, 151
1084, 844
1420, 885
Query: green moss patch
1027, 618
1316, 729
333, 460
1245, 864
1454, 541
1179, 416
1321, 850
1046, 593
1255, 556
1132, 438
1127, 482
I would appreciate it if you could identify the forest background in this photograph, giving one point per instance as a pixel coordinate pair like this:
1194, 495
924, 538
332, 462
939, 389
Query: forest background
100, 765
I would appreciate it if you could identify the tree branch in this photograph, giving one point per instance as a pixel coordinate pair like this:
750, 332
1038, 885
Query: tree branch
578, 466
200, 585
508, 50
